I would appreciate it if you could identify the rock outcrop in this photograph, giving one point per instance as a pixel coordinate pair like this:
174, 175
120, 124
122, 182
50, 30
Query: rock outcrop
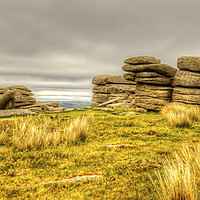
149, 85
19, 100
153, 88
109, 88
187, 81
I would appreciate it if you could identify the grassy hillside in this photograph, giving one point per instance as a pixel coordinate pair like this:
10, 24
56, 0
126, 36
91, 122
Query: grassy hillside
74, 104
124, 149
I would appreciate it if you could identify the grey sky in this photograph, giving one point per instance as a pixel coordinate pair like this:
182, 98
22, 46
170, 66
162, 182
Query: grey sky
63, 44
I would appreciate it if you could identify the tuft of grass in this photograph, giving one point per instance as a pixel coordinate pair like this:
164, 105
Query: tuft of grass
180, 177
77, 131
180, 115
36, 132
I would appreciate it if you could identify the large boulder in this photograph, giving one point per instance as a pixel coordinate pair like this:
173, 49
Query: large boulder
19, 98
187, 79
142, 60
20, 88
162, 69
186, 95
191, 63
152, 78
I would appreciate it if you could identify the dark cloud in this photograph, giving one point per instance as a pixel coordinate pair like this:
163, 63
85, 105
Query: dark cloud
58, 44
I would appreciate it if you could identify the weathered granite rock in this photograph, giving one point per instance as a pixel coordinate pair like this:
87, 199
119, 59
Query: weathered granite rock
4, 113
40, 104
154, 88
152, 78
119, 95
24, 102
100, 79
119, 88
5, 98
114, 88
187, 79
100, 89
118, 80
142, 60
95, 105
121, 105
20, 88
150, 103
129, 76
186, 95
152, 97
18, 97
9, 105
162, 69
191, 63
100, 98
142, 110
109, 102
166, 95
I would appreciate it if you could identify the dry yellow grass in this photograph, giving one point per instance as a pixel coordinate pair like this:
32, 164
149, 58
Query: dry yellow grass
36, 132
180, 115
181, 176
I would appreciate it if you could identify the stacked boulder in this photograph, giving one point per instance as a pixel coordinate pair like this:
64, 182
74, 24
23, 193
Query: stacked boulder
154, 82
113, 92
19, 97
187, 81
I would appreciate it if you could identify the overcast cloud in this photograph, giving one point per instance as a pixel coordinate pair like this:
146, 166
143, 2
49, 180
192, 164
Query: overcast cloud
63, 44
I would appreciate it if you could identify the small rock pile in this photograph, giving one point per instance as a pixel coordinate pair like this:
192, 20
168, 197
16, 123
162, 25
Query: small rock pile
18, 100
113, 92
187, 81
154, 80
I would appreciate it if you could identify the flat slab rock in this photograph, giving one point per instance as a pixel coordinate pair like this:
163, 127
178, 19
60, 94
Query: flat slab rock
150, 103
187, 79
142, 60
101, 98
4, 113
152, 78
162, 69
121, 105
159, 92
100, 79
114, 88
130, 76
186, 95
119, 79
191, 63
104, 79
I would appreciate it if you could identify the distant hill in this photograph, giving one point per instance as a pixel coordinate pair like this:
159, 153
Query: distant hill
74, 104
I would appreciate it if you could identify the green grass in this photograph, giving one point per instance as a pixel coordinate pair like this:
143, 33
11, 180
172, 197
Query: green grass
126, 169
